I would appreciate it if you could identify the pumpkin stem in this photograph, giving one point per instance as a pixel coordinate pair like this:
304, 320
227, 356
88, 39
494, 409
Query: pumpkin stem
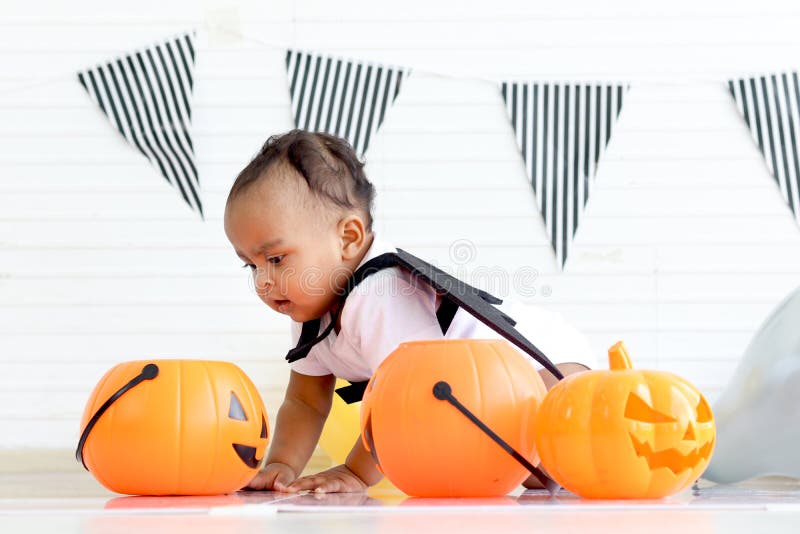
618, 357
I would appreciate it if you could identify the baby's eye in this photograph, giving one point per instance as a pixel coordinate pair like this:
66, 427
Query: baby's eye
275, 260
249, 266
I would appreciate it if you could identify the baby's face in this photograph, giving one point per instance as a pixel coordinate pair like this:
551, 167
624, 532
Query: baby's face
293, 251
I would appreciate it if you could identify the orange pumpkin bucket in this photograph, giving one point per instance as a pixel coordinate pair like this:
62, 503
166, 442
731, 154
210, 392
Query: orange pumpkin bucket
624, 433
421, 439
173, 427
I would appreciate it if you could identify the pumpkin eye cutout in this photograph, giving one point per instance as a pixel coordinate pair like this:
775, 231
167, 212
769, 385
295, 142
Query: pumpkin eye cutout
263, 427
637, 409
236, 411
704, 412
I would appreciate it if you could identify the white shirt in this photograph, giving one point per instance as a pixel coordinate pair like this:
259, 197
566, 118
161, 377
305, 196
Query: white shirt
392, 306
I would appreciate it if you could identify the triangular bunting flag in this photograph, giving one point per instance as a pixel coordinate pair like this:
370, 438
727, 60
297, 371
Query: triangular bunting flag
769, 105
341, 97
147, 96
562, 130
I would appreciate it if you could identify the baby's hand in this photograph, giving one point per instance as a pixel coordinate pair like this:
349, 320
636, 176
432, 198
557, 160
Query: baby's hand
339, 479
274, 476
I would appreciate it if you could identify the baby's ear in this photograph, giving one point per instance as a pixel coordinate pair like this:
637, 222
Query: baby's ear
353, 235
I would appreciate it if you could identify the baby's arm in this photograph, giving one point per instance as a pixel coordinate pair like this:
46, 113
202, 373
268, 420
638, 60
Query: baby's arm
566, 368
297, 430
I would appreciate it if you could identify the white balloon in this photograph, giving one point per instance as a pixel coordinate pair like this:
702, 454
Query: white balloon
758, 415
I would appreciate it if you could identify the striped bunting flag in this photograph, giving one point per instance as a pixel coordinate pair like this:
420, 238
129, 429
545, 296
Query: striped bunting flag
147, 96
769, 105
340, 97
562, 130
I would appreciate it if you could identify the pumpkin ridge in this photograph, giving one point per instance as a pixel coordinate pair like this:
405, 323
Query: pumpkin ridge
213, 465
179, 435
407, 442
600, 386
594, 384
509, 379
477, 382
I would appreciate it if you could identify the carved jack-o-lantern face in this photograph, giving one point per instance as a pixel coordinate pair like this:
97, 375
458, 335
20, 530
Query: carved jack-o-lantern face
179, 427
624, 433
685, 435
247, 453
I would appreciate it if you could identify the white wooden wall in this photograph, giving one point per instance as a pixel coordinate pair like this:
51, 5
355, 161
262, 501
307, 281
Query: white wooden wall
686, 244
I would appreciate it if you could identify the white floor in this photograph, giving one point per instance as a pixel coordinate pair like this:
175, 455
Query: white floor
67, 502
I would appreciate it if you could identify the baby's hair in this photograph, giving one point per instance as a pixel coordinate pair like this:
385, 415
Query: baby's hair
328, 164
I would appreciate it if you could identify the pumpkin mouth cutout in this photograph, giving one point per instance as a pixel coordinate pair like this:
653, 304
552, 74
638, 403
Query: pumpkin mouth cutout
672, 459
247, 453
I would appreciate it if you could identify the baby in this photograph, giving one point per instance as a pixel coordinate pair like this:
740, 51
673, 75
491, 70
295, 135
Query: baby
300, 216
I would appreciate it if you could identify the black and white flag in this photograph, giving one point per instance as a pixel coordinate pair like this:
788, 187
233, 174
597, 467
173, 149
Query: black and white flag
340, 97
147, 96
562, 130
769, 105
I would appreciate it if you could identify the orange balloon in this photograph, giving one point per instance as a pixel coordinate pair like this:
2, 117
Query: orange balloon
425, 446
195, 428
624, 433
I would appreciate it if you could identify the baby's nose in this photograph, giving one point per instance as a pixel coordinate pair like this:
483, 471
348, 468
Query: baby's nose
263, 281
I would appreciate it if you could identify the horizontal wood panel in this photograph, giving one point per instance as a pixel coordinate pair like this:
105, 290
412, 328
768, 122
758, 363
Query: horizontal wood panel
685, 247
114, 345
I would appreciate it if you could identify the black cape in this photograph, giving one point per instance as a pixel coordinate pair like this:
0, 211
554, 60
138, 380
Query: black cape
454, 294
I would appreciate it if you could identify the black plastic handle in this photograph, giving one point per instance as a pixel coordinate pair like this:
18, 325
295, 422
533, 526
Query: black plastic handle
149, 372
